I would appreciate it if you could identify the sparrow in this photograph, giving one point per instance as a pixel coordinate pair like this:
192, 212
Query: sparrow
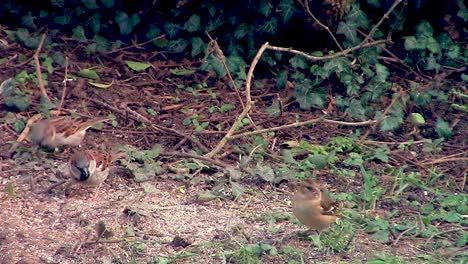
60, 131
310, 205
90, 168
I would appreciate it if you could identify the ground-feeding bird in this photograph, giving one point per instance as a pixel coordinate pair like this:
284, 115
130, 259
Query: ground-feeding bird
309, 205
61, 131
90, 168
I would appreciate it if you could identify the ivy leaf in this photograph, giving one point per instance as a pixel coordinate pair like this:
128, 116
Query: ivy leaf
212, 63
349, 31
432, 45
241, 31
88, 73
265, 8
108, 3
382, 72
425, 29
95, 23
357, 18
390, 123
177, 46
125, 22
198, 46
153, 32
137, 66
266, 173
62, 20
270, 26
193, 24
443, 128
298, 62
90, 4
237, 190
382, 236
411, 43
79, 33
171, 29
356, 109
287, 10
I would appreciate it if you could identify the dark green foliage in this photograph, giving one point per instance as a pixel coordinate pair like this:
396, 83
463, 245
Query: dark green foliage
360, 84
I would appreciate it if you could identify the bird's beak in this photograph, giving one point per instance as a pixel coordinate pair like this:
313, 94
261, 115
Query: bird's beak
84, 174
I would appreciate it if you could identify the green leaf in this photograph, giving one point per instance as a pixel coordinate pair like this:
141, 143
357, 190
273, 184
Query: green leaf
10, 189
425, 29
287, 10
390, 123
90, 4
237, 190
137, 66
126, 23
265, 172
274, 109
454, 52
79, 33
318, 161
382, 153
94, 22
101, 85
62, 20
382, 236
382, 72
269, 26
198, 46
182, 72
177, 46
193, 24
417, 119
349, 30
242, 30
432, 45
88, 73
357, 18
411, 43
226, 107
298, 62
212, 63
265, 8
452, 217
443, 128
108, 3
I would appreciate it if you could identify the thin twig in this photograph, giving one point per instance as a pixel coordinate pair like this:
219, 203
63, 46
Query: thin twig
404, 232
248, 105
218, 53
65, 81
136, 45
328, 57
299, 124
38, 68
385, 16
305, 4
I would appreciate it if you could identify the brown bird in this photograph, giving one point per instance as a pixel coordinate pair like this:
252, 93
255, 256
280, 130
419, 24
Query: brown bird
90, 168
309, 206
60, 131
